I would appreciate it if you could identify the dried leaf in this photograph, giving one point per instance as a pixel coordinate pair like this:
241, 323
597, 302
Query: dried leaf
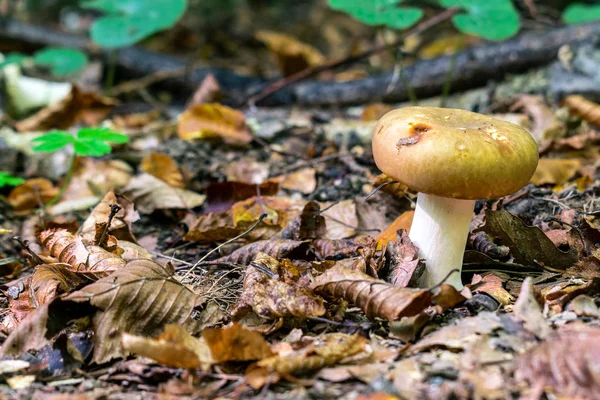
211, 227
280, 210
584, 306
214, 120
250, 171
278, 249
50, 280
396, 189
528, 311
341, 219
460, 335
374, 111
220, 196
580, 106
272, 298
405, 266
375, 297
327, 249
32, 194
325, 350
236, 343
404, 221
555, 171
138, 299
76, 106
304, 181
150, 194
164, 168
546, 126
208, 91
70, 249
566, 364
492, 285
121, 225
292, 55
528, 244
175, 347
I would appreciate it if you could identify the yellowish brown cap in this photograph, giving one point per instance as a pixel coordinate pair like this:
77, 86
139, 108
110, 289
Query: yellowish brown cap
454, 153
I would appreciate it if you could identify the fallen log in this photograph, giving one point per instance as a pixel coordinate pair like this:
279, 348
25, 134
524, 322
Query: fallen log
474, 67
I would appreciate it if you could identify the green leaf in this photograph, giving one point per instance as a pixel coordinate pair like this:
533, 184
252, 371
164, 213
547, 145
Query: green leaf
7, 179
489, 19
129, 21
579, 13
94, 148
102, 134
61, 60
13, 58
379, 12
52, 141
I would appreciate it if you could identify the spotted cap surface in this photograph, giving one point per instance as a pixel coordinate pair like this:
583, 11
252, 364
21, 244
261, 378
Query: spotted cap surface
454, 153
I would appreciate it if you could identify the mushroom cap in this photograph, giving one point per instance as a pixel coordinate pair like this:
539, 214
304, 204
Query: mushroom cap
454, 153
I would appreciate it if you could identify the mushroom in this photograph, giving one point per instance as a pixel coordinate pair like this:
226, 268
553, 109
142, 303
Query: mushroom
452, 158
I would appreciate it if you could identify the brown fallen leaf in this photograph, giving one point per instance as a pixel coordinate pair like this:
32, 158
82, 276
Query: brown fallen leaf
374, 111
272, 298
249, 171
139, 299
277, 248
327, 249
208, 91
566, 364
375, 297
405, 266
220, 196
395, 189
584, 306
341, 219
528, 244
555, 171
545, 125
121, 225
212, 120
528, 311
76, 106
70, 249
492, 285
292, 55
175, 347
150, 194
31, 194
164, 168
586, 109
212, 227
236, 343
304, 181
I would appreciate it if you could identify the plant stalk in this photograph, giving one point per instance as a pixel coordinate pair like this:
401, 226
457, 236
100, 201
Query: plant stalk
65, 182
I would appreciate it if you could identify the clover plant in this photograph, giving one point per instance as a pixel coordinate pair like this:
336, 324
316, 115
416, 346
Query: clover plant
7, 179
88, 142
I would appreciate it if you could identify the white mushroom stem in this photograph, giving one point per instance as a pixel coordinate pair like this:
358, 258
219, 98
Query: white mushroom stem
440, 228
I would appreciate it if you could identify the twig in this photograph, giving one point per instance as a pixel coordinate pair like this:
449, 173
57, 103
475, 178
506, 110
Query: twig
310, 72
263, 216
144, 82
25, 245
377, 189
114, 209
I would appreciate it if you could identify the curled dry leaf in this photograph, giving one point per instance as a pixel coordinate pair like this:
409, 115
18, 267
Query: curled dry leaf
341, 219
150, 194
292, 55
32, 194
580, 106
492, 285
121, 225
555, 171
528, 244
212, 227
208, 91
528, 311
164, 168
277, 248
236, 343
405, 266
138, 299
212, 120
343, 248
323, 351
566, 364
375, 297
272, 298
304, 181
175, 347
70, 249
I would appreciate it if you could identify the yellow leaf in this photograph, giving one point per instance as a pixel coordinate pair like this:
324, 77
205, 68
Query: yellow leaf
164, 168
555, 171
292, 55
32, 194
206, 121
404, 221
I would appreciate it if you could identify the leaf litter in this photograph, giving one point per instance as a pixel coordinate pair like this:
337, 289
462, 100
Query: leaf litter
269, 272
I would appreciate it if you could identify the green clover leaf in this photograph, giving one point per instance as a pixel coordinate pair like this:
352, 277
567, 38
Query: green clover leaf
579, 13
7, 179
52, 141
88, 142
379, 12
61, 60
